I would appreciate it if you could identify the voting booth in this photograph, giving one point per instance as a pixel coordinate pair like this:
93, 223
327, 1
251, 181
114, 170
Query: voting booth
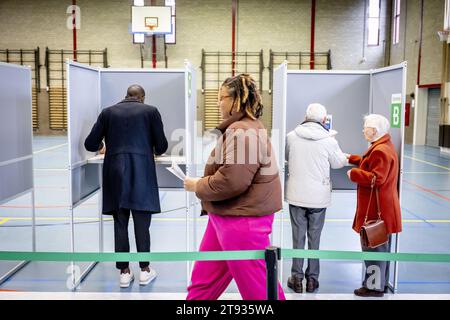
16, 159
348, 97
90, 90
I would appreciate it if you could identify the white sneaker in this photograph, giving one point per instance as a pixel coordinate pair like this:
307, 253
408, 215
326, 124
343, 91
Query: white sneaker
147, 277
126, 279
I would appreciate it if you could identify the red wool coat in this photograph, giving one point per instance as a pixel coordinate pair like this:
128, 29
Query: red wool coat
380, 159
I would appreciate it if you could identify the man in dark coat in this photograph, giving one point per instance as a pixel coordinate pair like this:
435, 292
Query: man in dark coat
133, 133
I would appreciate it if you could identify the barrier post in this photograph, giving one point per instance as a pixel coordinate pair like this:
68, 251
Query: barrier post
271, 256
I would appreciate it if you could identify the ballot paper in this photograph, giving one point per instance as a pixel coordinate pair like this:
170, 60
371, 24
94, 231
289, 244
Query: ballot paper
176, 170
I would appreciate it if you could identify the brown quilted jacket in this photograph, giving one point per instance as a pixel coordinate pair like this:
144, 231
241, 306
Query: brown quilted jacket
241, 177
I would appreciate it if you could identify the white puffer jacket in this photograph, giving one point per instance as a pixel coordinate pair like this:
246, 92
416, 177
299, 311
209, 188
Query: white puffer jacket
310, 151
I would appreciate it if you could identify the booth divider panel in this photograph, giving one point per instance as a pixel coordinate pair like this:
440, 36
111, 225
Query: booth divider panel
166, 91
15, 130
384, 85
346, 97
83, 112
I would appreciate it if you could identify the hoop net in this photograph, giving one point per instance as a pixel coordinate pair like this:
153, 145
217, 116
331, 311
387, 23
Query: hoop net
151, 23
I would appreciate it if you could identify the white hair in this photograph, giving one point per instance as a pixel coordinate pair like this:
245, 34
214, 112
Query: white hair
379, 122
316, 112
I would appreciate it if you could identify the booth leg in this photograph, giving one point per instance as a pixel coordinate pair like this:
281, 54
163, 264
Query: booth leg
13, 271
100, 204
78, 281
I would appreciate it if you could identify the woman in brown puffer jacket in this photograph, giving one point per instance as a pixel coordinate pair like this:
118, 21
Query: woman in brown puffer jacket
240, 192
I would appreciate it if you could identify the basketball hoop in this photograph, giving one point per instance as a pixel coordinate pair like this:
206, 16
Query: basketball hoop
443, 35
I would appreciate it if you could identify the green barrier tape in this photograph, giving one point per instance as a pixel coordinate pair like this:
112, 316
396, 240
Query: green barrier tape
139, 256
357, 255
222, 255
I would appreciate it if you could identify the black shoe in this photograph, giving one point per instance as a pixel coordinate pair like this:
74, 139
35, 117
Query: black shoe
311, 285
295, 284
364, 292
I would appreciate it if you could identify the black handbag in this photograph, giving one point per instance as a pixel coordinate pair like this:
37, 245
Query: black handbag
373, 233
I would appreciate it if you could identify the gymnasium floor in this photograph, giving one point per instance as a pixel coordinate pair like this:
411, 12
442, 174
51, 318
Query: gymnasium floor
425, 209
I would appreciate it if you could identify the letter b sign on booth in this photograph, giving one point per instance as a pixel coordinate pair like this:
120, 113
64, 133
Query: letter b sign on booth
396, 109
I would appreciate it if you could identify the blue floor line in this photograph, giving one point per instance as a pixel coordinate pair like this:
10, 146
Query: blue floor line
437, 157
418, 217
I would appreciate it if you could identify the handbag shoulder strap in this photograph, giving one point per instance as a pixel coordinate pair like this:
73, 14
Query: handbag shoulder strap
372, 186
378, 204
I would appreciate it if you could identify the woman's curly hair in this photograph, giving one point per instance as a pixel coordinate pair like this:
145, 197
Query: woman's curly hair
242, 88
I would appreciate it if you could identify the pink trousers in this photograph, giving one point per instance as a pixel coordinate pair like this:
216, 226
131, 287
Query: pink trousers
211, 278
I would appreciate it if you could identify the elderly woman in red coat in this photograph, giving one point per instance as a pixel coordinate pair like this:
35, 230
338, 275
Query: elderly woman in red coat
381, 161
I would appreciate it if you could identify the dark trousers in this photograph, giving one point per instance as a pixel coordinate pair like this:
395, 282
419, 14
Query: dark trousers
376, 276
306, 221
141, 221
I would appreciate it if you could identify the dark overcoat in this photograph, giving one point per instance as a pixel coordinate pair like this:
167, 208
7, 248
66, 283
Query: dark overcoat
133, 134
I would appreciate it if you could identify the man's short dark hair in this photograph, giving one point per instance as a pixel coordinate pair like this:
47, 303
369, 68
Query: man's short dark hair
135, 91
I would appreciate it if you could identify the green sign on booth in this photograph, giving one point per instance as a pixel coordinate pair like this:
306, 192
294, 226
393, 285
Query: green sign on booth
396, 110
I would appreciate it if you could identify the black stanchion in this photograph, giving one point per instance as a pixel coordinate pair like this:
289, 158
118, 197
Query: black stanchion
271, 256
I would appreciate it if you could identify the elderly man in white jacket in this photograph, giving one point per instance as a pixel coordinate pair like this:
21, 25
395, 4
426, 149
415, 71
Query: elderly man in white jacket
311, 150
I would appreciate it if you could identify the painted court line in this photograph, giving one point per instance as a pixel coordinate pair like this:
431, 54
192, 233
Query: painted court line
426, 172
50, 148
44, 207
427, 190
4, 220
49, 187
416, 216
429, 163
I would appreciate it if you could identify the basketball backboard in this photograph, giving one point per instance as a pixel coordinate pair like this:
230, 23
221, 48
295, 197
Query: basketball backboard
151, 20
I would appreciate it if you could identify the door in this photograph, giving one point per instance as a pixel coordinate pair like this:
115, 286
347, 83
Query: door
433, 117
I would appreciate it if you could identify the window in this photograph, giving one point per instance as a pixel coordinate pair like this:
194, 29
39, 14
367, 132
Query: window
446, 15
396, 35
171, 38
138, 38
374, 23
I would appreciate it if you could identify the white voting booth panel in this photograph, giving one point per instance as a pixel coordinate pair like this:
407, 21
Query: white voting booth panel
386, 84
191, 169
83, 97
83, 109
15, 131
348, 96
90, 90
16, 154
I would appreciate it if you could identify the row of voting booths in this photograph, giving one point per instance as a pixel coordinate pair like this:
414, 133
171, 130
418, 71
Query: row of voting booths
16, 160
348, 97
90, 90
